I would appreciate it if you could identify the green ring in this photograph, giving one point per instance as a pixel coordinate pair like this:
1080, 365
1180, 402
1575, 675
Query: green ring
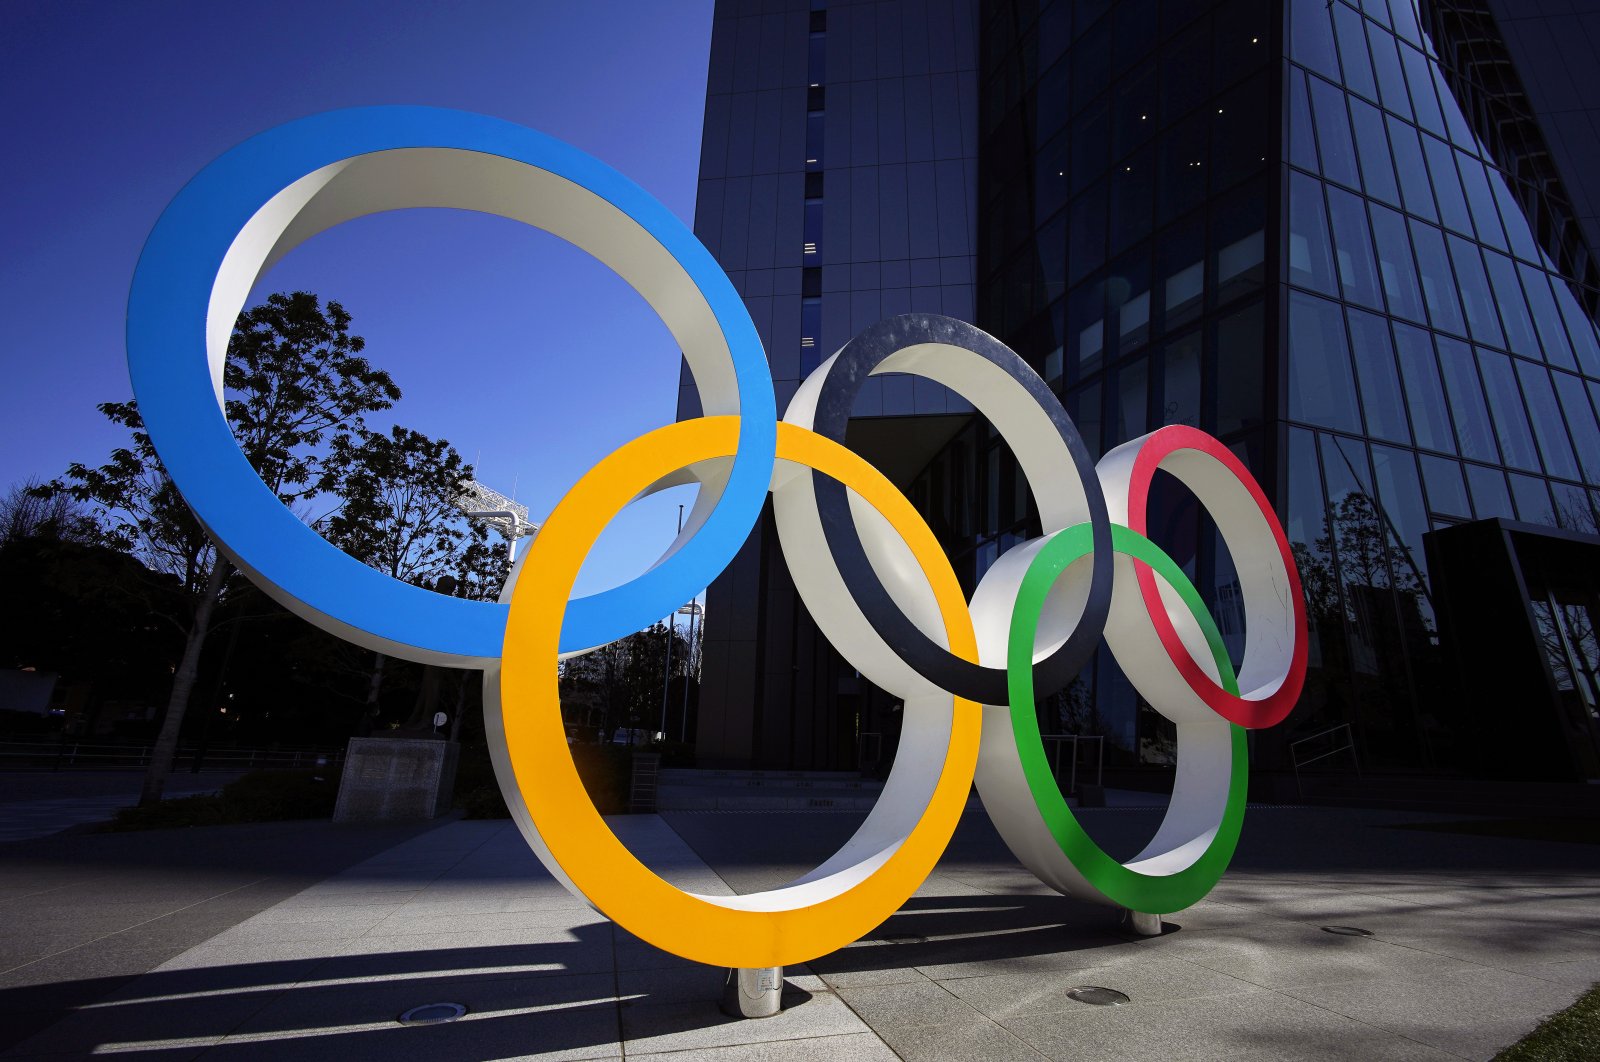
1152, 893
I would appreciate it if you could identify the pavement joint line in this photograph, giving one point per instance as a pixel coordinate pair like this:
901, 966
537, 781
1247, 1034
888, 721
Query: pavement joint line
1359, 1021
136, 925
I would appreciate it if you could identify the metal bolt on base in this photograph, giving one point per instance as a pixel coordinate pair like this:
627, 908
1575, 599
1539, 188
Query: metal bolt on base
753, 993
1142, 923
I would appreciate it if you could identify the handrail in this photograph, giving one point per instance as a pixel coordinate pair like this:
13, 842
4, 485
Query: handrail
59, 755
1055, 741
1349, 746
1319, 734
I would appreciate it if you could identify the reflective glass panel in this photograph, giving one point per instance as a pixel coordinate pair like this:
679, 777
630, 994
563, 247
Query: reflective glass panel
1430, 418
1548, 430
1321, 388
1375, 373
1490, 498
1302, 141
1414, 187
1505, 404
1333, 134
1311, 37
1391, 79
1438, 283
1394, 264
1533, 500
1546, 318
1513, 310
1467, 408
1310, 256
1447, 185
1447, 491
1372, 150
1476, 295
1348, 24
1581, 419
1358, 272
1180, 388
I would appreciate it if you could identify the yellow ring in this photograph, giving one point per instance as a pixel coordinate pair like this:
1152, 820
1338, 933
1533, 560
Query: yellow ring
718, 931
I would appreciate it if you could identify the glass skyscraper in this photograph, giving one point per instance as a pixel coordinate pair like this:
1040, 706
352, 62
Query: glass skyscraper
1346, 238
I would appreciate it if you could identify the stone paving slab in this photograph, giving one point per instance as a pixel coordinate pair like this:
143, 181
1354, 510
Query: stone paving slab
1473, 940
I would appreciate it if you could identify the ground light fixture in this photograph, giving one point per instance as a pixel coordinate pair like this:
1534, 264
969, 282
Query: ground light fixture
1096, 996
432, 1014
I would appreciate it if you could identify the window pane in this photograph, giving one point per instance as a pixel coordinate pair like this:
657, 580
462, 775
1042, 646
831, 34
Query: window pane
1466, 401
1438, 284
1400, 494
1546, 318
1518, 231
1353, 248
1321, 390
1353, 50
1394, 263
1420, 77
1305, 511
1391, 80
1510, 420
1372, 149
1447, 185
1311, 37
1180, 390
1513, 310
1489, 494
1533, 500
1084, 408
1548, 429
1447, 491
1240, 385
1333, 134
1414, 186
1302, 141
1579, 328
1424, 395
1310, 256
1482, 319
1485, 215
1581, 419
1380, 387
1133, 394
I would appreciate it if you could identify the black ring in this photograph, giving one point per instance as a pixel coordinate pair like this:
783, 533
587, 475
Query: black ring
849, 370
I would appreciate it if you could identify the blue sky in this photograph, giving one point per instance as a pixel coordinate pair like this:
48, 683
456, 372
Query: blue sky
529, 356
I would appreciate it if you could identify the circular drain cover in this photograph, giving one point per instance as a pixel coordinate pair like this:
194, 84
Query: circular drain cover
1099, 997
1347, 931
432, 1014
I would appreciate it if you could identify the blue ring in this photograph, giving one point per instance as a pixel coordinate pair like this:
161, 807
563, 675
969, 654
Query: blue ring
167, 359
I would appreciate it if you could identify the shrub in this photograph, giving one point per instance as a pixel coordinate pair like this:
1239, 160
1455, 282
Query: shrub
606, 772
260, 796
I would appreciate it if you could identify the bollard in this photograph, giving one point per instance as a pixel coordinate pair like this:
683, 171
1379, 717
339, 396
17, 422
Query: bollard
753, 993
1142, 923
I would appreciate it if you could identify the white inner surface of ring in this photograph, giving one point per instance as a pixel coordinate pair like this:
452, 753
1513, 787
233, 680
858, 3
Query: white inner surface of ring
1036, 442
925, 738
453, 178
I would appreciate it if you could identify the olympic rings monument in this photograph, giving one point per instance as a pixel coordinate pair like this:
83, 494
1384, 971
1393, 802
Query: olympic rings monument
866, 565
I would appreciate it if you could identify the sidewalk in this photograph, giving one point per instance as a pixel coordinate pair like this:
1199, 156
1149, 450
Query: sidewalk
1474, 938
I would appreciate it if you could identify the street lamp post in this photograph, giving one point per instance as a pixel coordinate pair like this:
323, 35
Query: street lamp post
693, 609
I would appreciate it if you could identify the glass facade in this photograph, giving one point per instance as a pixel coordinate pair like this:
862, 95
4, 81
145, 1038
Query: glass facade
1276, 220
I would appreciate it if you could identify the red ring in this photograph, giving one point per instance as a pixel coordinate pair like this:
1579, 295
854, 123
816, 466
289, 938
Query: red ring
1252, 714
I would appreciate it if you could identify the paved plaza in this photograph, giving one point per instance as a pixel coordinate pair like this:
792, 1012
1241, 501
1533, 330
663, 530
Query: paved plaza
273, 953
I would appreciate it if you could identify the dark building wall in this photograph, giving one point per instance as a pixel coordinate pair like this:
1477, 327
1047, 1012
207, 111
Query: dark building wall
838, 186
1440, 368
1552, 46
1289, 224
